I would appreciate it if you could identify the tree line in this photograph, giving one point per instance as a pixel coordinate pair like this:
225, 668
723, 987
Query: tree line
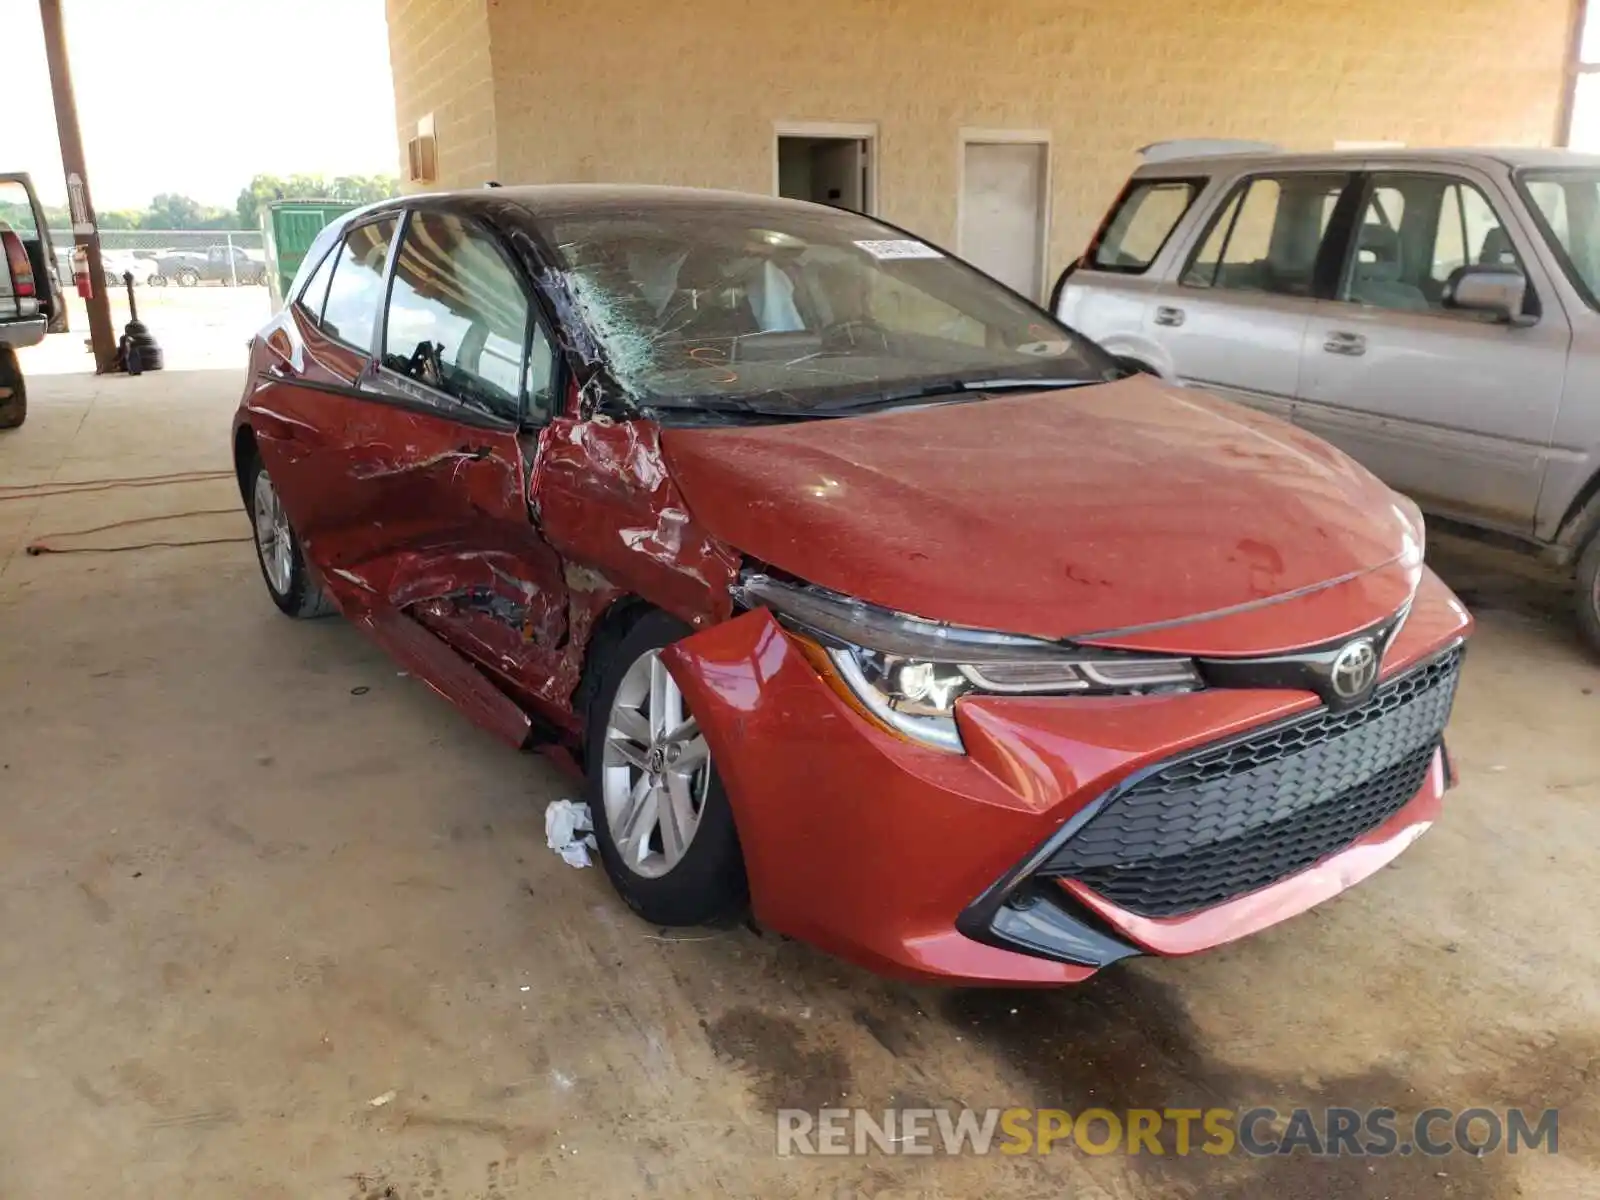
170, 210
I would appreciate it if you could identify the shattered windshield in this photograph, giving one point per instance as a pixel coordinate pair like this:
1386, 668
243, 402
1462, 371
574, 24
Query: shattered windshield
788, 310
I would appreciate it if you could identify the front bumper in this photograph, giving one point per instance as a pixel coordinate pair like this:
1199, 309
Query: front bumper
936, 866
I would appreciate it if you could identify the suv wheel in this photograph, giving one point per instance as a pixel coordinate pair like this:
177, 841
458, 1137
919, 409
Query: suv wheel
186, 277
1586, 595
661, 815
13, 390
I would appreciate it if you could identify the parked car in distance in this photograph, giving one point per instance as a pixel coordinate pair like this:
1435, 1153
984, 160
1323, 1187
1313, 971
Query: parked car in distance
31, 303
120, 262
1434, 313
216, 264
861, 587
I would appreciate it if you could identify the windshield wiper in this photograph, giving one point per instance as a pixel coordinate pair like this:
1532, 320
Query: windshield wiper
940, 387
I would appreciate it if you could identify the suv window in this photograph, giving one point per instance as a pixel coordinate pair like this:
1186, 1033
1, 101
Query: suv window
1268, 235
1567, 208
1143, 221
355, 292
1416, 232
458, 317
16, 210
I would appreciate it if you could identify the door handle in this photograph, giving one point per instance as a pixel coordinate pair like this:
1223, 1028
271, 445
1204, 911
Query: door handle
1341, 342
1167, 315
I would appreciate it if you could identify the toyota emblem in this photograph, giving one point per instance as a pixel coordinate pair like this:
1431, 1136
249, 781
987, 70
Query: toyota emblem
1355, 669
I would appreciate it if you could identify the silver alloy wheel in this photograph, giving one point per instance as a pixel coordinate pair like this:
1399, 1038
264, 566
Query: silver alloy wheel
272, 535
656, 770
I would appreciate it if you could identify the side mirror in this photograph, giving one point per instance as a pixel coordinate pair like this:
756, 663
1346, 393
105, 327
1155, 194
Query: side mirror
1486, 288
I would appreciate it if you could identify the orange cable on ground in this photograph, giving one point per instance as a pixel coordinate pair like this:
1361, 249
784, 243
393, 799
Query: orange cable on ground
43, 546
39, 491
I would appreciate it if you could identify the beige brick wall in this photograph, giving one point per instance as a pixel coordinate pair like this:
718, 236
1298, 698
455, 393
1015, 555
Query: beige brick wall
439, 53
688, 91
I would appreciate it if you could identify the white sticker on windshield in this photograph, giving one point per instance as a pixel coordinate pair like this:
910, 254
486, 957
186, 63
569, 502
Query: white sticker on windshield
898, 248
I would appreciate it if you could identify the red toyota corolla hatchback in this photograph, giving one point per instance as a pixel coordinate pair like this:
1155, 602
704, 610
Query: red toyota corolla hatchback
867, 593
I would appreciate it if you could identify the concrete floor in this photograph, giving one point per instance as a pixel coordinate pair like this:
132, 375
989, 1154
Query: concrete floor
252, 879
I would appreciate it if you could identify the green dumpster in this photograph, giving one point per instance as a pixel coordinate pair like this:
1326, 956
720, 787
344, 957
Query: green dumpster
288, 227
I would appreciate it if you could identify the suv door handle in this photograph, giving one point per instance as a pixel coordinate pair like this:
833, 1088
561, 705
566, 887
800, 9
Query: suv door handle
1167, 315
1341, 342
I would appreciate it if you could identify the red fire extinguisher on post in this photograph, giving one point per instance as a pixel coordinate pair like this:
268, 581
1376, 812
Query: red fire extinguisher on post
80, 272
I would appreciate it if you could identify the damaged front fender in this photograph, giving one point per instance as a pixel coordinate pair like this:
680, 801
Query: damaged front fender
606, 503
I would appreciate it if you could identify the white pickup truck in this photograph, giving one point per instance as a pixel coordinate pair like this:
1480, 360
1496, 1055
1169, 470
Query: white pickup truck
31, 303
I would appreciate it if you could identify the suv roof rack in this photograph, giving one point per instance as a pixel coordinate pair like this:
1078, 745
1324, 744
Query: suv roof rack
1202, 148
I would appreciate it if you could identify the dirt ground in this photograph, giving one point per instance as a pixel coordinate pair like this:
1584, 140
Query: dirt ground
279, 923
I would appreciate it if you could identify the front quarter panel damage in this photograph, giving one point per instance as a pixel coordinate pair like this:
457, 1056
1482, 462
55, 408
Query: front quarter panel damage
603, 497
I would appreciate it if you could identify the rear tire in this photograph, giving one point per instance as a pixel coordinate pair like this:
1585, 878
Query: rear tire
283, 564
1586, 594
665, 882
186, 277
13, 406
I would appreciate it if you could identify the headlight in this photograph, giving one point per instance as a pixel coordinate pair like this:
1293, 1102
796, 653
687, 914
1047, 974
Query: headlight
908, 673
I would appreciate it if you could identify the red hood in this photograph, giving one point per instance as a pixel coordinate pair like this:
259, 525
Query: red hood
1052, 513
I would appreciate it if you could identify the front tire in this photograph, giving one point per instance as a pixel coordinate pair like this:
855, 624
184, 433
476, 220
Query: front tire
1586, 594
13, 390
661, 814
283, 564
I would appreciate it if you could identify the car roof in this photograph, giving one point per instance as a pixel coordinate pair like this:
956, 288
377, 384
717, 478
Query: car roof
564, 198
1169, 157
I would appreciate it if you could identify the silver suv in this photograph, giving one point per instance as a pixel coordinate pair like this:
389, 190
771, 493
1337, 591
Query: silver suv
1435, 313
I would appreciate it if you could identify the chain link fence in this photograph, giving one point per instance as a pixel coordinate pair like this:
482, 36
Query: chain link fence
173, 257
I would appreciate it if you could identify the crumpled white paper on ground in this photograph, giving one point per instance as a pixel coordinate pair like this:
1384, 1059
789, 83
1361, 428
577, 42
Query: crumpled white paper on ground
568, 831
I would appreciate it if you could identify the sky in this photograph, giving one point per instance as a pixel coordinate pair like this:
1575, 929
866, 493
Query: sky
196, 96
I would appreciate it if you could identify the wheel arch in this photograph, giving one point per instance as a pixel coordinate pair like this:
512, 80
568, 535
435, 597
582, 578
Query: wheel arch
609, 628
1578, 524
244, 448
1141, 353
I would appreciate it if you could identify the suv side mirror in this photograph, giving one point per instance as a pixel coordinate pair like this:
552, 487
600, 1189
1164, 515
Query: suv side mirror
1497, 290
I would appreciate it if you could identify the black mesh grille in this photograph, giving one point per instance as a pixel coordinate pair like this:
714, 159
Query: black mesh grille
1237, 817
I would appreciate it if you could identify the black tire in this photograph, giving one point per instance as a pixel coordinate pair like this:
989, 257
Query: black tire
302, 599
708, 883
1586, 594
186, 277
157, 280
13, 407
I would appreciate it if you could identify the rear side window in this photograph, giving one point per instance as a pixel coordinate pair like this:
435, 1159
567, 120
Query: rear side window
315, 292
1268, 236
458, 317
356, 290
1143, 221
